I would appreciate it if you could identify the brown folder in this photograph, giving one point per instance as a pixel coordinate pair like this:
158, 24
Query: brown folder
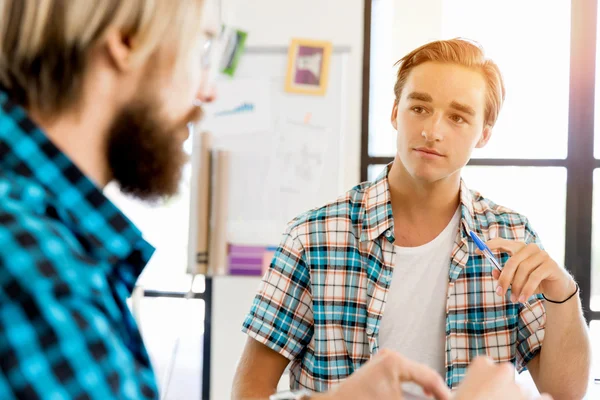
200, 206
217, 254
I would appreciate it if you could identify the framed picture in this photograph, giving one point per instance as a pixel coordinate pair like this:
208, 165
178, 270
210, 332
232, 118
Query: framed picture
308, 67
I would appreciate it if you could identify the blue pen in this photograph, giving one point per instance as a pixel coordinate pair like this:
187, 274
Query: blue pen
485, 250
488, 254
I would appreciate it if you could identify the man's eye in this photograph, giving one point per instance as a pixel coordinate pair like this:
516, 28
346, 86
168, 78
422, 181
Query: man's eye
457, 118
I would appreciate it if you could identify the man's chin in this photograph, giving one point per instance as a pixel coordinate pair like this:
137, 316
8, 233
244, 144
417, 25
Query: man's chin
183, 134
427, 175
157, 187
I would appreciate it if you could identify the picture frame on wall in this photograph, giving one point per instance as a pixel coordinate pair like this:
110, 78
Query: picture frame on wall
308, 67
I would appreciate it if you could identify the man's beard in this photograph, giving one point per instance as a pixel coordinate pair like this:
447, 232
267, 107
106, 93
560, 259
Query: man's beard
145, 151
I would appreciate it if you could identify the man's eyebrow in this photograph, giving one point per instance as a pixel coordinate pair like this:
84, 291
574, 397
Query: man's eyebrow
420, 96
463, 107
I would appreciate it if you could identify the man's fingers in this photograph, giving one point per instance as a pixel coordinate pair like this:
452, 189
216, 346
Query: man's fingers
496, 274
511, 266
511, 247
425, 377
522, 276
506, 278
536, 277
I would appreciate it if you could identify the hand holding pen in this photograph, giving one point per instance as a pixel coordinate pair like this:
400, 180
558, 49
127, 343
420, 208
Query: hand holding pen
529, 270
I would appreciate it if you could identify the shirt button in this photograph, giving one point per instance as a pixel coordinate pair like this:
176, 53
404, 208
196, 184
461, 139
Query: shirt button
388, 234
369, 331
388, 278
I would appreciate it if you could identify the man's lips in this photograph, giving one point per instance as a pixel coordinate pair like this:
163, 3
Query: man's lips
429, 151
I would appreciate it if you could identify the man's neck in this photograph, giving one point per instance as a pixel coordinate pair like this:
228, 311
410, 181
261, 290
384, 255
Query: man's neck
80, 135
426, 208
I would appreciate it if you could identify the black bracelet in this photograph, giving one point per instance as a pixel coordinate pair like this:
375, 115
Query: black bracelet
567, 299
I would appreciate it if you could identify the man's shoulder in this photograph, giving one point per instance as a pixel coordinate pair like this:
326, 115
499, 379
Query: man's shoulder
489, 212
19, 194
32, 238
342, 213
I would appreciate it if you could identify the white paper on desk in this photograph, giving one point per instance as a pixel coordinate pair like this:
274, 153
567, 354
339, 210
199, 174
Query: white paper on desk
242, 106
412, 391
410, 396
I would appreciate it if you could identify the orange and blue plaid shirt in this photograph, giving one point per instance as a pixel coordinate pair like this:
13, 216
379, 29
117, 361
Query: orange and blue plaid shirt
321, 302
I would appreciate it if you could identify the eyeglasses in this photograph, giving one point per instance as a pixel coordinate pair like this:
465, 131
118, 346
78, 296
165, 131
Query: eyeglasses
209, 64
206, 57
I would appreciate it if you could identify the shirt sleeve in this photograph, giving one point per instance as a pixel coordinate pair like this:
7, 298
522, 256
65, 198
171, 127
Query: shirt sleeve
532, 323
281, 316
58, 339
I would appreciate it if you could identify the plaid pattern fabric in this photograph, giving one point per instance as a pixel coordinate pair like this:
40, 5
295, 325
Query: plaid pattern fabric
320, 303
68, 261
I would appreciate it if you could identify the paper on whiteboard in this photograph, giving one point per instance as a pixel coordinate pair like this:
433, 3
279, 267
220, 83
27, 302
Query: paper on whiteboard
242, 106
297, 168
300, 156
252, 203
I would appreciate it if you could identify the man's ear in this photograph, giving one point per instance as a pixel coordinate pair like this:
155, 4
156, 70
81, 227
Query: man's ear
119, 50
485, 137
395, 115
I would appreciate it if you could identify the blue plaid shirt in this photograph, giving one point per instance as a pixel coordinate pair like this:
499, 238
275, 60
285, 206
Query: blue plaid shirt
69, 259
321, 301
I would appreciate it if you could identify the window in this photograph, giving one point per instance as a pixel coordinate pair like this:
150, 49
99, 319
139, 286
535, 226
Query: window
533, 56
381, 97
550, 184
595, 298
543, 144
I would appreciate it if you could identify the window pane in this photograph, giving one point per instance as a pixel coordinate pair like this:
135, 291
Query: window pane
594, 388
374, 171
533, 56
512, 187
521, 196
597, 101
173, 330
595, 336
595, 294
382, 136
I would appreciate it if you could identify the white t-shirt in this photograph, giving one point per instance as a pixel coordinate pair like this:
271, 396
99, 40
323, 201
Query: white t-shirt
414, 318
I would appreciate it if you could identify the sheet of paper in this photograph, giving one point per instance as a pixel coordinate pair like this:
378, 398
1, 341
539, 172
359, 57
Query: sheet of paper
301, 155
242, 106
412, 391
297, 167
252, 205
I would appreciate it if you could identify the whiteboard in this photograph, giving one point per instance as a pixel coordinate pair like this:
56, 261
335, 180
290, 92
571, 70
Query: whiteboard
293, 160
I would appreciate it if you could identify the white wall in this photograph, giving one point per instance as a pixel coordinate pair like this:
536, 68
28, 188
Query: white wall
276, 22
227, 337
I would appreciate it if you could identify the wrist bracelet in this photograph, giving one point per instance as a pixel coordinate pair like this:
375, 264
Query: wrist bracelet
567, 299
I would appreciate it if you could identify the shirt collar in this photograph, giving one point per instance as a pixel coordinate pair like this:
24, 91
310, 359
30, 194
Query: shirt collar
378, 217
27, 152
